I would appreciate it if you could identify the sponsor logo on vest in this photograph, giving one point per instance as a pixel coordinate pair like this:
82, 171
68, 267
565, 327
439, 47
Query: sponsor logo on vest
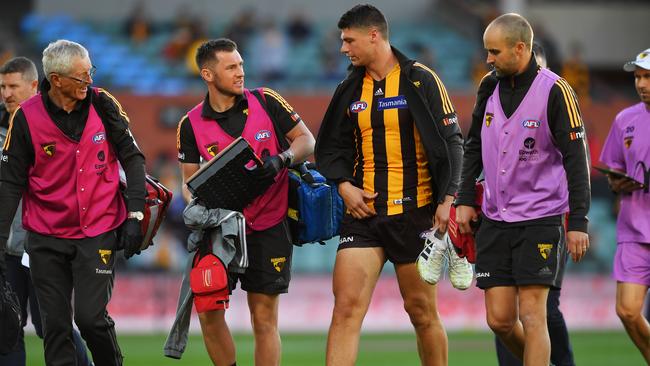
529, 143
482, 274
379, 92
528, 154
105, 255
263, 135
545, 250
49, 148
398, 102
99, 138
212, 148
629, 129
358, 107
346, 239
531, 123
488, 119
576, 135
278, 263
4, 158
627, 141
181, 156
101, 156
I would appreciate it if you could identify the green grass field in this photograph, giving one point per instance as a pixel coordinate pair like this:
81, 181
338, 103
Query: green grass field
465, 348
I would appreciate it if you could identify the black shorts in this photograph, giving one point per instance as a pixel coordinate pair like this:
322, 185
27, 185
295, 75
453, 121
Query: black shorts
399, 235
269, 262
517, 254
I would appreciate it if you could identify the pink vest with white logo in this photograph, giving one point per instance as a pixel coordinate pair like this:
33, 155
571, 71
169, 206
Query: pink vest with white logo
73, 187
270, 208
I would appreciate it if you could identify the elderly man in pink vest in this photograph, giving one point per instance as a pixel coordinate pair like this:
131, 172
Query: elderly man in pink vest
61, 155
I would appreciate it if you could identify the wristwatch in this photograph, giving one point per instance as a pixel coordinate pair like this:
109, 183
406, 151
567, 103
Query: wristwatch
138, 215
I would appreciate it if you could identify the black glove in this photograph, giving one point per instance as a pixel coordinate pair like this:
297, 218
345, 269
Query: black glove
131, 237
271, 168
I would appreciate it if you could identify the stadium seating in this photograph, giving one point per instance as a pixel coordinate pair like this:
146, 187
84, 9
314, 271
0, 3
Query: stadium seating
140, 68
119, 64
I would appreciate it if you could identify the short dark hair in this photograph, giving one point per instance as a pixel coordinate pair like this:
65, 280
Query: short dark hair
364, 16
21, 65
207, 51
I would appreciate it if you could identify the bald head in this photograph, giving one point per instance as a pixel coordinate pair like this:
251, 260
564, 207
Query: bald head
514, 28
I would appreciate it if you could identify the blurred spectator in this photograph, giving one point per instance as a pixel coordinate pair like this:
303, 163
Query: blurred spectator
7, 52
479, 68
188, 30
299, 28
137, 26
271, 52
330, 56
185, 20
243, 28
576, 72
424, 54
546, 41
176, 48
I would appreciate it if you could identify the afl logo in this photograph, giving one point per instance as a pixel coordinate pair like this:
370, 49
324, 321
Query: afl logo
531, 123
358, 107
99, 138
263, 135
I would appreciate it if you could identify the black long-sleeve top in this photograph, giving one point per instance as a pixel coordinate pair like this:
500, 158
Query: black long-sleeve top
427, 100
565, 123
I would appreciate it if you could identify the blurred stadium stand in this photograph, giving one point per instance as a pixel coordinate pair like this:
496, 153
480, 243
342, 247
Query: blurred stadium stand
139, 68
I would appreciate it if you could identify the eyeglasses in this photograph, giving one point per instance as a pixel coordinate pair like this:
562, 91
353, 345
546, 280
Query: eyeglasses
91, 73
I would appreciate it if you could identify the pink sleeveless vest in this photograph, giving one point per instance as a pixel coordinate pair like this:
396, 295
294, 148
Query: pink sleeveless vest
73, 187
270, 208
524, 174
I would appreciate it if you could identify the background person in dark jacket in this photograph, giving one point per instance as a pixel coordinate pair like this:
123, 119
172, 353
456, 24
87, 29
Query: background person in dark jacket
391, 140
61, 157
19, 82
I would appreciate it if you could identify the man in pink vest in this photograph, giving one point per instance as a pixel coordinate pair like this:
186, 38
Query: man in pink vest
61, 155
228, 111
528, 138
627, 150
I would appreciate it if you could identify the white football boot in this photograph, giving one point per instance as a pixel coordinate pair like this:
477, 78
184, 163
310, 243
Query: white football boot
460, 270
431, 261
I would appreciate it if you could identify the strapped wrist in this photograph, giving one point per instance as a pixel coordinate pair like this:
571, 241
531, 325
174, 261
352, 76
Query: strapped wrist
287, 157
